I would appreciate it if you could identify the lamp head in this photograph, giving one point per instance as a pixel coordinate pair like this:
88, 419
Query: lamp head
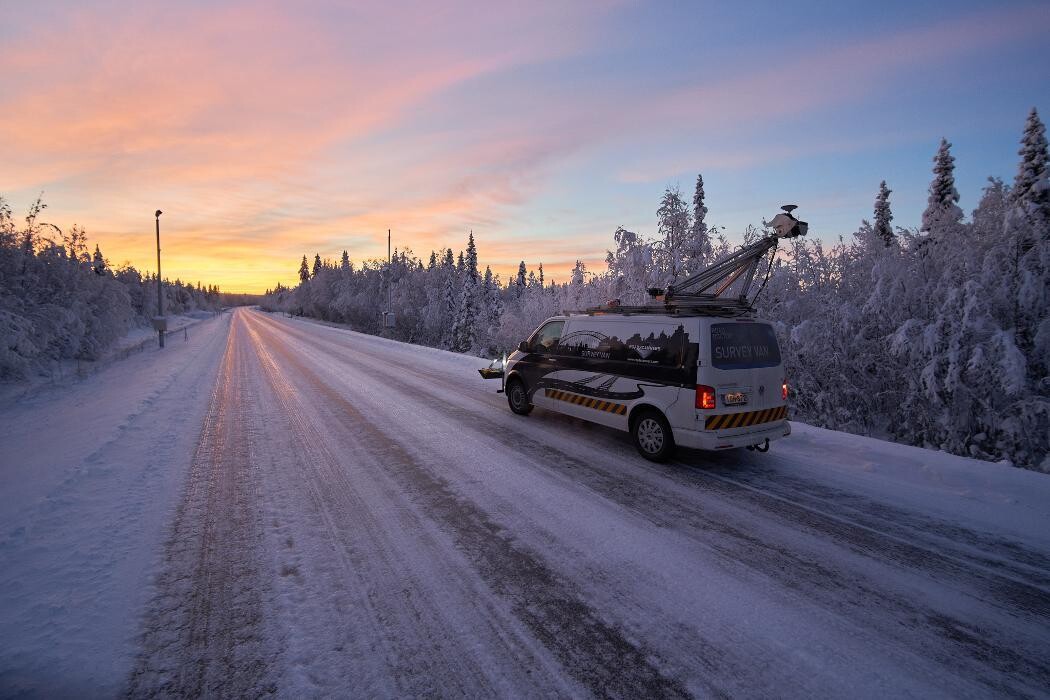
786, 225
159, 212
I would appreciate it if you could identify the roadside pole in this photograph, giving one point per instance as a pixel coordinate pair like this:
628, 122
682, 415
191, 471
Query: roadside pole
388, 315
160, 323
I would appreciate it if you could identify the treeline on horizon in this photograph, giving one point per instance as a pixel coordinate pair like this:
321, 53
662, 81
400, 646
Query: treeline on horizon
937, 336
60, 302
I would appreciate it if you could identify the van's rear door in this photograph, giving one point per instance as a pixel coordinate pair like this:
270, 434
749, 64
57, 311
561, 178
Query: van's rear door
746, 369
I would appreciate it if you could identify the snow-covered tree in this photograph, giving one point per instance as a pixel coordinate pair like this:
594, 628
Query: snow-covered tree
942, 208
98, 263
883, 215
450, 281
304, 271
492, 310
465, 329
496, 304
1031, 189
487, 294
698, 245
519, 281
577, 280
471, 258
673, 227
990, 214
630, 266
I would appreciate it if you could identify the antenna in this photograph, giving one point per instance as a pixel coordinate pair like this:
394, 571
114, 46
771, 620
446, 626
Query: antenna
786, 225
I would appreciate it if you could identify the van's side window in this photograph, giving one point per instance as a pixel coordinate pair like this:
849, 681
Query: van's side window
640, 343
581, 342
546, 339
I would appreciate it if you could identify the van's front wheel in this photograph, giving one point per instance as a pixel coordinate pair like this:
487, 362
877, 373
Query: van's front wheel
518, 398
652, 436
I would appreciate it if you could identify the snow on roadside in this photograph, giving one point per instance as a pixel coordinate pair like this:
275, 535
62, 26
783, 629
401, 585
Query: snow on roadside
985, 495
63, 372
176, 324
89, 475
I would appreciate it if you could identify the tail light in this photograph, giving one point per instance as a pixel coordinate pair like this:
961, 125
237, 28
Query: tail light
705, 396
784, 390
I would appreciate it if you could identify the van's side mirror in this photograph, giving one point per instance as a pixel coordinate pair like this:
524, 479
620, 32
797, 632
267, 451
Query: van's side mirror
523, 346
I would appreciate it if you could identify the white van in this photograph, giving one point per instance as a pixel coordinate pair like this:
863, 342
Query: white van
700, 381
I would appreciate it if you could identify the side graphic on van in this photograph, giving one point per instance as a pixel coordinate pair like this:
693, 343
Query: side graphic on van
622, 342
604, 385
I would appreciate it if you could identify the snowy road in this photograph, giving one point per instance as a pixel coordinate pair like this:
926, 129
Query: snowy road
361, 517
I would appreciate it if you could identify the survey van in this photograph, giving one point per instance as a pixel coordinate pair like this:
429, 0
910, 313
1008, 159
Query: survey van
698, 381
692, 367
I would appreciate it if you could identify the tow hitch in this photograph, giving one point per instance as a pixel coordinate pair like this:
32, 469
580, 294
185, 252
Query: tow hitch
760, 448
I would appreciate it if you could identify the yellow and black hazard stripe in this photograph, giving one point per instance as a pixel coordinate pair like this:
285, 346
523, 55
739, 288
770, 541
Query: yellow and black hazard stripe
586, 401
741, 420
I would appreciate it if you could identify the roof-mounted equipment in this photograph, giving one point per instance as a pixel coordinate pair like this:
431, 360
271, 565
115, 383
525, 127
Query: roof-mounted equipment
723, 288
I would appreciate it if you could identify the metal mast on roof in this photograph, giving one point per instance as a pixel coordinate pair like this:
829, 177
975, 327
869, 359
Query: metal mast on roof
721, 289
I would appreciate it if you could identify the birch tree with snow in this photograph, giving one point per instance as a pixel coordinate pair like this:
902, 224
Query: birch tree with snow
672, 225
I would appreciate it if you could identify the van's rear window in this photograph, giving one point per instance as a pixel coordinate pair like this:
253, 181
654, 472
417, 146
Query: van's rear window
744, 346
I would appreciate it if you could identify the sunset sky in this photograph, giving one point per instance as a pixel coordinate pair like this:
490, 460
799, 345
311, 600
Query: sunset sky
266, 131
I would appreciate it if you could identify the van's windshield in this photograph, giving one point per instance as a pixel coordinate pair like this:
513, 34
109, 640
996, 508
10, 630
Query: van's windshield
744, 346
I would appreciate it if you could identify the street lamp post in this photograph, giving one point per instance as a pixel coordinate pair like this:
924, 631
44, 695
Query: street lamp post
388, 315
159, 322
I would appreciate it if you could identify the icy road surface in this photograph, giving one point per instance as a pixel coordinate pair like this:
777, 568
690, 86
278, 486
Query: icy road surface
289, 508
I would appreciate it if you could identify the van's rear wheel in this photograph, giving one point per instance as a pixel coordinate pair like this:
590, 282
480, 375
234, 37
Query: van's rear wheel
652, 436
518, 398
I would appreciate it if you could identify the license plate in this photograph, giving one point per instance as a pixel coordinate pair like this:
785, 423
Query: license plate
735, 398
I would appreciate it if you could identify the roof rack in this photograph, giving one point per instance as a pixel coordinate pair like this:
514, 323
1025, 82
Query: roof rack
721, 289
710, 306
